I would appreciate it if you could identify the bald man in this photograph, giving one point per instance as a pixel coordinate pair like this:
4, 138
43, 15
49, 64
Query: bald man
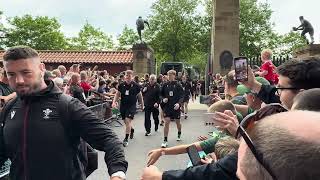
290, 144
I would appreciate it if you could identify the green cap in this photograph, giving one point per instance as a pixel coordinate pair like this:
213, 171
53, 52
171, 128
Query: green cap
242, 89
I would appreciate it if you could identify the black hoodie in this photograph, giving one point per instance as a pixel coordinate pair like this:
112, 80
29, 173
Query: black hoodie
35, 140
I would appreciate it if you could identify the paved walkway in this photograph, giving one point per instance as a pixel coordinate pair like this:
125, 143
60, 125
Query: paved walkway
136, 152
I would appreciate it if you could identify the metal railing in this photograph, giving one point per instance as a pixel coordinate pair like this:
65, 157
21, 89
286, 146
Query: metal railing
5, 169
101, 112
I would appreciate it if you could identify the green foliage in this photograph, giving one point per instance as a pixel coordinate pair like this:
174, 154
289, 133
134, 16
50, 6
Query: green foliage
127, 38
256, 29
172, 28
91, 38
2, 32
41, 33
288, 43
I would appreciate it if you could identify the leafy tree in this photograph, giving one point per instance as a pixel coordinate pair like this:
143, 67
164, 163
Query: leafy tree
256, 28
288, 43
41, 33
127, 38
172, 29
91, 38
2, 32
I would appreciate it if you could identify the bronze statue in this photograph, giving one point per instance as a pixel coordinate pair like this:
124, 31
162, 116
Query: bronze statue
140, 26
306, 27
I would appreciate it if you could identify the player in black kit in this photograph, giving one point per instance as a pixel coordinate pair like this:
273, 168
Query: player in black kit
129, 91
172, 99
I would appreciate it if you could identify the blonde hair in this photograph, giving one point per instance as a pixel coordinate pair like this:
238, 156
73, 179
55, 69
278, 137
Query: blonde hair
83, 75
129, 72
268, 53
225, 146
172, 72
75, 77
56, 72
221, 106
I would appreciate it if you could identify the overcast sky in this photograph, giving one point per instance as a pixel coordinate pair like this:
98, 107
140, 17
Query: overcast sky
112, 15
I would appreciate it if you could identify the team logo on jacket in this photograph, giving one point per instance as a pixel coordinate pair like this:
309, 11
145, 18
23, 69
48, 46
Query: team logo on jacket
12, 114
46, 113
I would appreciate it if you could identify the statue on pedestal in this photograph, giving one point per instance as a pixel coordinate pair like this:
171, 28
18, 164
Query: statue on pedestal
140, 26
306, 27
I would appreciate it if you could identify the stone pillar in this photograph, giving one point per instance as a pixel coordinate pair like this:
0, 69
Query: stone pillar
311, 50
225, 34
143, 59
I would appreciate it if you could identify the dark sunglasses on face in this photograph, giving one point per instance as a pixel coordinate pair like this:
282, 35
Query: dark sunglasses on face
248, 123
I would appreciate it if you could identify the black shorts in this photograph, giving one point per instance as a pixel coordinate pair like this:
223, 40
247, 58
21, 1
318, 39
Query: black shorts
127, 112
172, 114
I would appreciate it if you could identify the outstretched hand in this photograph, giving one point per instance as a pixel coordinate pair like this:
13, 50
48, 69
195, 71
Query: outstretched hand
153, 156
227, 121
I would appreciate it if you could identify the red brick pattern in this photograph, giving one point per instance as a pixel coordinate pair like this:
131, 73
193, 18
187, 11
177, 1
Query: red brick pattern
108, 57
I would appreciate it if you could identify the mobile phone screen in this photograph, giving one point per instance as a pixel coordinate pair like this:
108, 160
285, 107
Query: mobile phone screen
205, 99
241, 68
193, 155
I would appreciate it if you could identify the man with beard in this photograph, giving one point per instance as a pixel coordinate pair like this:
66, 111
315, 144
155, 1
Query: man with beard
35, 133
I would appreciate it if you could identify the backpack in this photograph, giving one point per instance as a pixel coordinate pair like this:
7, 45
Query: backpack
87, 155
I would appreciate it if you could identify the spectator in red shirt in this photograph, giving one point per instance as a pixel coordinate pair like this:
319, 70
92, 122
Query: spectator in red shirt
85, 84
267, 69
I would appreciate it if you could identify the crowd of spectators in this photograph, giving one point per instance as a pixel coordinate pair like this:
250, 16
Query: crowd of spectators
268, 125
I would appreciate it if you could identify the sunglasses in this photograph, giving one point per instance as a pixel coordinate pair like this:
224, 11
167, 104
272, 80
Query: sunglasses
249, 122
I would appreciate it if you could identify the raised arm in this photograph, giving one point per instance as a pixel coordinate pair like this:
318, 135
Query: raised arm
155, 154
98, 135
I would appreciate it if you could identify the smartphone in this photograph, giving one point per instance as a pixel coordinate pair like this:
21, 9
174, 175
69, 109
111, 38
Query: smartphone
205, 99
241, 68
222, 95
193, 155
207, 118
221, 89
210, 119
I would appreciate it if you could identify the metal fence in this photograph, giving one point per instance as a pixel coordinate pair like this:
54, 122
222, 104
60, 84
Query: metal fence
276, 60
4, 170
105, 113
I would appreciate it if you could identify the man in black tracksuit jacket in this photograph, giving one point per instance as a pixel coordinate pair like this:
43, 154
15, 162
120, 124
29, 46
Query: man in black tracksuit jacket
151, 98
35, 137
